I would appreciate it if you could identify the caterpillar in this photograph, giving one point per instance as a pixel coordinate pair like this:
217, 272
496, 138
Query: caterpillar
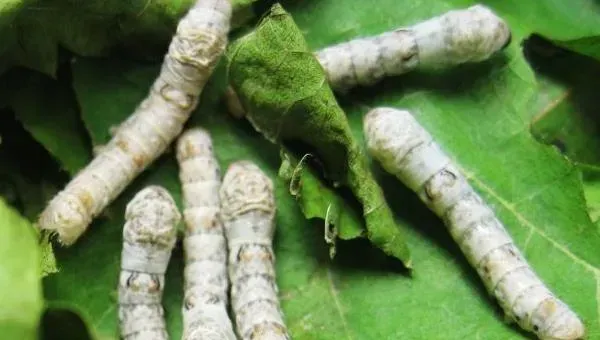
459, 36
248, 210
205, 249
193, 53
406, 150
456, 37
149, 235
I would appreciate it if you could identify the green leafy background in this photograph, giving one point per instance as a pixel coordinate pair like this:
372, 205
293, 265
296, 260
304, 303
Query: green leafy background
522, 129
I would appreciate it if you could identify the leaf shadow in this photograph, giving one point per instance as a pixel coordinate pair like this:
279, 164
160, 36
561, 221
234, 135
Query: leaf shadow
580, 75
360, 256
269, 152
63, 323
452, 81
15, 142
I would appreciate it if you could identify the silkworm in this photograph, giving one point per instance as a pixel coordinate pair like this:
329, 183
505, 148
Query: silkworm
456, 37
406, 150
193, 53
205, 249
248, 211
149, 235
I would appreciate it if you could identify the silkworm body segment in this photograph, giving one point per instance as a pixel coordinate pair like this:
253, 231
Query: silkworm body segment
406, 150
456, 37
205, 275
248, 210
148, 238
193, 53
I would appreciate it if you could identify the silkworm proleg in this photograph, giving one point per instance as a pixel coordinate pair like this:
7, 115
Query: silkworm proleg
205, 249
248, 210
193, 53
149, 235
406, 150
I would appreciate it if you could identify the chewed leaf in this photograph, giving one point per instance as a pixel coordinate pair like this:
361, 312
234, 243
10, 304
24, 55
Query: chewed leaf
48, 258
319, 200
289, 101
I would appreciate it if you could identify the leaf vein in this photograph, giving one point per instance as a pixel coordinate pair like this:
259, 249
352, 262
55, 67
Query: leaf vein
338, 305
551, 106
510, 207
527, 240
108, 310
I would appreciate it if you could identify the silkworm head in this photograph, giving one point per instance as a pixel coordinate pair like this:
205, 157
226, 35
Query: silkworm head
64, 217
391, 133
151, 217
195, 142
204, 34
475, 34
246, 188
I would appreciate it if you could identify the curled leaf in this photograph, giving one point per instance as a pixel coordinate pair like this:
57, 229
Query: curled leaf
283, 88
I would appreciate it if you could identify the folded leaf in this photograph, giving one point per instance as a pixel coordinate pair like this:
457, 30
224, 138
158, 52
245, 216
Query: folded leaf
318, 200
285, 92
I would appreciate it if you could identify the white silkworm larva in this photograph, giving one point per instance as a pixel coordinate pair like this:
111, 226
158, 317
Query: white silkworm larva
406, 150
248, 210
149, 235
205, 275
456, 37
194, 51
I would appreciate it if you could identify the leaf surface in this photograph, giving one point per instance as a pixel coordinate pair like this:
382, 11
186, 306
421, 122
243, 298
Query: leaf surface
20, 273
480, 114
569, 120
574, 25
